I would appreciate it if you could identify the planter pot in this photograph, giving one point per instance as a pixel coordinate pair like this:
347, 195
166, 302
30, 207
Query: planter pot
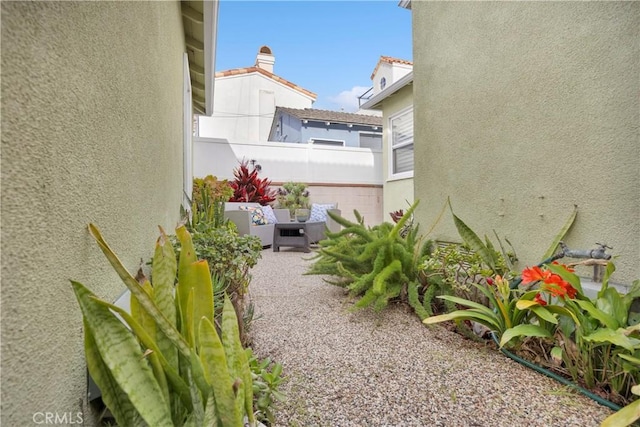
302, 215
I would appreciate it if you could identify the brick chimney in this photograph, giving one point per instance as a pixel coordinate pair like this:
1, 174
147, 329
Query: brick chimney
265, 59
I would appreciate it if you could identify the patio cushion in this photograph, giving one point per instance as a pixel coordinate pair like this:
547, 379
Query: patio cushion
269, 215
257, 215
319, 211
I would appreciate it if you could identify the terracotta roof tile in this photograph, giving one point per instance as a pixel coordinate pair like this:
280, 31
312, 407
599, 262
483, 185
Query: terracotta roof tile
332, 116
249, 70
389, 60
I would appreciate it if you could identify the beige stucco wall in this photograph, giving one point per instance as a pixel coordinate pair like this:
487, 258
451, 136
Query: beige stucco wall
398, 193
523, 109
366, 199
91, 132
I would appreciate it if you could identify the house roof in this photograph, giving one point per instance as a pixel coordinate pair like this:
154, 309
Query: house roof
389, 60
375, 101
331, 116
249, 70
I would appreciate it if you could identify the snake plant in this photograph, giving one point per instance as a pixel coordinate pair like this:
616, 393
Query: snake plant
166, 364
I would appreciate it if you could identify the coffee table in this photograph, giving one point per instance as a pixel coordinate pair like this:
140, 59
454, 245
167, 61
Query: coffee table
297, 234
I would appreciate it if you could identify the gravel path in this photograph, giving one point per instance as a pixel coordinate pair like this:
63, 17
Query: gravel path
363, 368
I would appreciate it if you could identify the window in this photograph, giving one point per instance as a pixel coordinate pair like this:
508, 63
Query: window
333, 142
401, 145
371, 140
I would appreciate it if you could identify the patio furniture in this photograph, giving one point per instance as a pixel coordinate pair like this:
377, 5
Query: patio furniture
247, 224
297, 234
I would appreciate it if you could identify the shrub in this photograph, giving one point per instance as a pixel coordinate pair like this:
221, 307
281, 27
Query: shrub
376, 263
208, 199
292, 196
248, 187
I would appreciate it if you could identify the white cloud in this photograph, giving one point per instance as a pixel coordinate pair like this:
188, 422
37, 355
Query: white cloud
347, 100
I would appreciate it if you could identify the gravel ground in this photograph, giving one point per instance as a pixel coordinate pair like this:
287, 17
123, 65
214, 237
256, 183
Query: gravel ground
362, 368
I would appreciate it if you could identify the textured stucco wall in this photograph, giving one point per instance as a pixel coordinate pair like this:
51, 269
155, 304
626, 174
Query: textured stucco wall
91, 132
238, 107
523, 109
397, 192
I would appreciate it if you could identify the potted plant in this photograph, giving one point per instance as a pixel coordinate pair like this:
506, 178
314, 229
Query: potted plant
294, 196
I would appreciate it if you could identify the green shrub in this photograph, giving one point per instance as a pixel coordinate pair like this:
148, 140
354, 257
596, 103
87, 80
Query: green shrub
375, 263
292, 196
208, 198
266, 383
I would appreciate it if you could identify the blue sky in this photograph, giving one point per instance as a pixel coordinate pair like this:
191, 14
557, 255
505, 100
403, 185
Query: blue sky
327, 47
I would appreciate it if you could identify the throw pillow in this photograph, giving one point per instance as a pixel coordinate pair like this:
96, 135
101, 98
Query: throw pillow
269, 214
319, 211
257, 215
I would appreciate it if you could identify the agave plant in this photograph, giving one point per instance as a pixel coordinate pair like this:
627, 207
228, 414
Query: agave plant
248, 187
168, 366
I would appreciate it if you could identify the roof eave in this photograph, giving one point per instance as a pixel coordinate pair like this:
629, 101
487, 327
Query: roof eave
375, 102
210, 38
200, 19
406, 4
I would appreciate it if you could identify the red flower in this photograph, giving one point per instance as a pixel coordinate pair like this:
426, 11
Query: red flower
558, 287
538, 298
553, 283
489, 281
534, 274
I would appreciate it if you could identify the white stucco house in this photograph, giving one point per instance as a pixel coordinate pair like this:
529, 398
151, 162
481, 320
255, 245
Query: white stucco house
246, 100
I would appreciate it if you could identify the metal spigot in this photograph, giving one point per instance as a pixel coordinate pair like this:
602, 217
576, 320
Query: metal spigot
592, 254
598, 253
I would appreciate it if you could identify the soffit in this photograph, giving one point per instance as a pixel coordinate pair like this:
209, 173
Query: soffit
199, 19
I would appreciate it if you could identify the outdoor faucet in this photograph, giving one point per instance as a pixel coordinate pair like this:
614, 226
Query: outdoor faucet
593, 254
598, 253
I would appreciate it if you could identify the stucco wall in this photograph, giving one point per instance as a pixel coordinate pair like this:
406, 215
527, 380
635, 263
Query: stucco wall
244, 106
397, 192
523, 109
91, 132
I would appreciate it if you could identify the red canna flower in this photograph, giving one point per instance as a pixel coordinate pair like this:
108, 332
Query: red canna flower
538, 298
534, 274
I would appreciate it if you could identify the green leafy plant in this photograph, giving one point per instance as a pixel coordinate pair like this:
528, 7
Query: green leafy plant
376, 263
267, 377
502, 316
248, 187
500, 263
458, 268
292, 196
230, 258
208, 198
168, 366
595, 337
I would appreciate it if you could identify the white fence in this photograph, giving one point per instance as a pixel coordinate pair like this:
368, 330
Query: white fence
352, 177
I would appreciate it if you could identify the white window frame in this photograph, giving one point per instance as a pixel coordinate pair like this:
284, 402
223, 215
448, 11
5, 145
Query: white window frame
391, 174
339, 142
380, 134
